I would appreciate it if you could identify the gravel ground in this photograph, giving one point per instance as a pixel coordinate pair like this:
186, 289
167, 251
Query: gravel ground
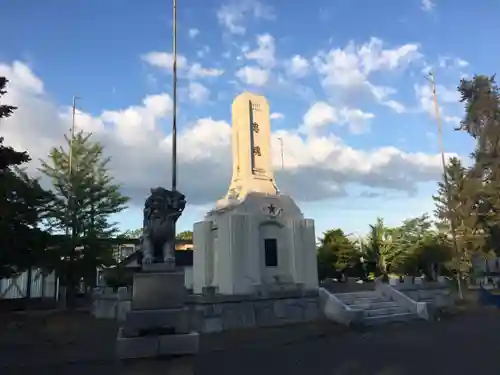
77, 344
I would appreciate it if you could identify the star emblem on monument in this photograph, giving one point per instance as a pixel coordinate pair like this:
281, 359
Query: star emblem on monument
271, 209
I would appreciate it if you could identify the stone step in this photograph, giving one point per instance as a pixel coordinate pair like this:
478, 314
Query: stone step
387, 311
374, 305
392, 318
364, 300
366, 293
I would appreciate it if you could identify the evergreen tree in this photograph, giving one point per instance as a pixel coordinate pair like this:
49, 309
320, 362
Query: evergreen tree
22, 202
461, 212
335, 252
481, 97
82, 205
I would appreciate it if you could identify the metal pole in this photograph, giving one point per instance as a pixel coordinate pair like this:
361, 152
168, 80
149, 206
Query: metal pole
174, 101
69, 223
281, 150
445, 176
70, 165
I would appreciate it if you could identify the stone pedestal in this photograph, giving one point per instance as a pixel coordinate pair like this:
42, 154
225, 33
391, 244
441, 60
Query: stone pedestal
158, 323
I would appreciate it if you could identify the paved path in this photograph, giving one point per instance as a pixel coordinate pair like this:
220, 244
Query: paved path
460, 345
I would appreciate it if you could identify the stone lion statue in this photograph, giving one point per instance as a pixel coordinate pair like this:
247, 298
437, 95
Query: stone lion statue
161, 211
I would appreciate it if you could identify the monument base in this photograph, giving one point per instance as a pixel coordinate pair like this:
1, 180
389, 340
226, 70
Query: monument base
156, 346
218, 313
158, 323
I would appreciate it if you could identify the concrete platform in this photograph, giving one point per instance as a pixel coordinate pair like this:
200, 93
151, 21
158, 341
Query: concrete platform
158, 290
156, 346
177, 320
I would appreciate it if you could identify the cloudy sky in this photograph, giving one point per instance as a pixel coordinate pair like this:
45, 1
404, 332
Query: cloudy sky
345, 80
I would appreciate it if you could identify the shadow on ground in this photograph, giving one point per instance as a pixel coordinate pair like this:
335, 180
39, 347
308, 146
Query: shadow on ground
77, 344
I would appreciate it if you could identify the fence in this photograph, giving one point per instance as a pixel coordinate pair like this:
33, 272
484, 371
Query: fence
42, 286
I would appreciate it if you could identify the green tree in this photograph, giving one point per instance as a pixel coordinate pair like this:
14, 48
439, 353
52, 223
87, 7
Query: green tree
456, 205
132, 233
381, 247
22, 241
335, 252
421, 248
481, 97
186, 235
82, 204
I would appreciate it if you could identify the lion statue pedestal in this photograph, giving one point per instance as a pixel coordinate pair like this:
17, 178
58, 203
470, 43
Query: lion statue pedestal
158, 322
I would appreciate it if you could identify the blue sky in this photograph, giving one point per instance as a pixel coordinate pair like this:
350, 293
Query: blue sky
345, 81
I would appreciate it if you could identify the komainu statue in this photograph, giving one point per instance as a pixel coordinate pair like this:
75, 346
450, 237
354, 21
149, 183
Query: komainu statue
161, 211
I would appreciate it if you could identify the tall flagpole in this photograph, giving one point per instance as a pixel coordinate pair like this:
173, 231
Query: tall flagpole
174, 101
432, 80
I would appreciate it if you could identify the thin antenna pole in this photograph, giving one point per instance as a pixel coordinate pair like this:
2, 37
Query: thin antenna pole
282, 154
69, 223
174, 101
432, 80
70, 162
72, 132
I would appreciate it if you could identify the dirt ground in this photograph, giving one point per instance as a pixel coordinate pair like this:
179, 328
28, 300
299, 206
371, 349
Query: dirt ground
41, 343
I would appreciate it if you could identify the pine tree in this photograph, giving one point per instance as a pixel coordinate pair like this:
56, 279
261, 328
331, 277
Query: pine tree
460, 211
22, 202
481, 97
83, 202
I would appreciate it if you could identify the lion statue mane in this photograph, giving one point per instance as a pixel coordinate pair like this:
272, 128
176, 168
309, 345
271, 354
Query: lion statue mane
161, 210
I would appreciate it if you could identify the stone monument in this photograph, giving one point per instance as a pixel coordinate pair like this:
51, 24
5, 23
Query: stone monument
159, 321
257, 240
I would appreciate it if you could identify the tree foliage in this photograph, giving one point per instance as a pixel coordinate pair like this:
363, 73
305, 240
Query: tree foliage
22, 241
132, 233
335, 252
481, 97
83, 202
186, 235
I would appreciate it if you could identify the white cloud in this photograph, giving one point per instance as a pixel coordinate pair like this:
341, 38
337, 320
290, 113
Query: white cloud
197, 92
446, 97
395, 106
203, 51
350, 68
264, 54
233, 16
321, 114
24, 78
193, 32
253, 75
277, 116
164, 60
446, 62
197, 71
141, 148
427, 5
297, 66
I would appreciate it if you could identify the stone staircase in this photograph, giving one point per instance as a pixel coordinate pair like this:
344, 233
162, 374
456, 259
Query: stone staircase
377, 308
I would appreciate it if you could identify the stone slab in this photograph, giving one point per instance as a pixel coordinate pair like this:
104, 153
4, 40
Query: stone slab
155, 346
178, 320
179, 344
159, 267
158, 290
136, 347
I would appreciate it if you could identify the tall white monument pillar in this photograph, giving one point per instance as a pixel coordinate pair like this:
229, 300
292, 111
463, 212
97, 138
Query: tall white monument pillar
251, 145
257, 239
